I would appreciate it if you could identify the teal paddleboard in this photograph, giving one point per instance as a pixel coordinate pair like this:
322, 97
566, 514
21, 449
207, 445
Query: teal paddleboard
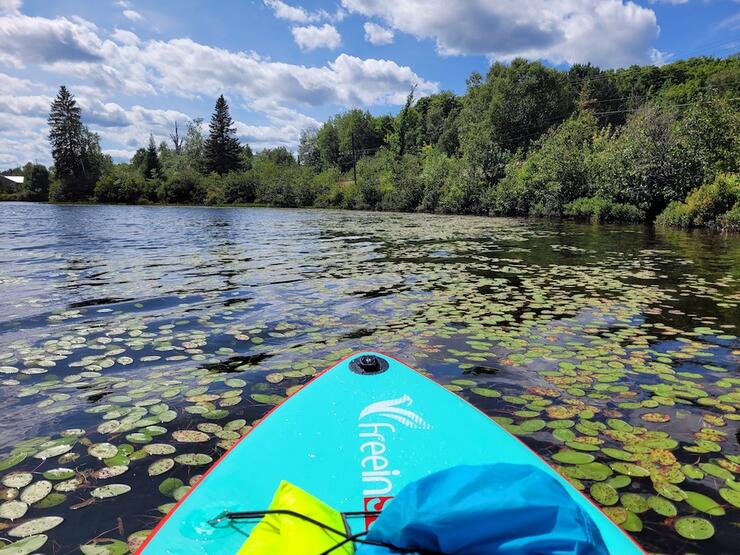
315, 440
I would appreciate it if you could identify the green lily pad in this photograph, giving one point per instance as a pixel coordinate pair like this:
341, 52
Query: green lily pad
670, 491
193, 459
25, 546
704, 504
731, 496
51, 500
619, 481
190, 436
485, 392
169, 485
266, 399
159, 449
105, 546
111, 490
662, 506
35, 526
103, 450
573, 457
59, 474
160, 467
632, 523
604, 493
635, 503
716, 471
617, 514
694, 528
629, 469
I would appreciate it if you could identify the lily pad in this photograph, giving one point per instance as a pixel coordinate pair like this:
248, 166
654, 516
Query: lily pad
59, 474
25, 546
604, 493
35, 526
105, 546
36, 492
694, 528
169, 485
266, 399
629, 469
111, 490
159, 449
190, 436
194, 459
662, 506
160, 467
704, 504
102, 450
17, 479
13, 510
573, 457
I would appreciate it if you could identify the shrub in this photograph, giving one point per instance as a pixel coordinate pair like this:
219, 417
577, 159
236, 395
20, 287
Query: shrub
239, 187
35, 183
601, 210
706, 205
730, 220
183, 187
124, 185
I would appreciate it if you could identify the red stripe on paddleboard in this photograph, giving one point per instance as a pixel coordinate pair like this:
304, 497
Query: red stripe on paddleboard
162, 522
637, 545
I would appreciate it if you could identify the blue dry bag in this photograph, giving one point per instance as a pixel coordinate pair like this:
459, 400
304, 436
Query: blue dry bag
497, 509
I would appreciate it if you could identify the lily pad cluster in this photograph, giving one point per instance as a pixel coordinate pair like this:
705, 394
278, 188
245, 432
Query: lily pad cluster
615, 362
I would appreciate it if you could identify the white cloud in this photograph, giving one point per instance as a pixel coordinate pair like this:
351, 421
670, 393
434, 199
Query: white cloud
377, 34
610, 33
298, 14
98, 65
133, 15
10, 6
26, 40
312, 37
732, 22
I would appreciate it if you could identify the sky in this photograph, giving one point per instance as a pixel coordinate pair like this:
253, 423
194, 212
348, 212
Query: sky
136, 67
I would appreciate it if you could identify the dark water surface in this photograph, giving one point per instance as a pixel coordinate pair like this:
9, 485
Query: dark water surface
122, 327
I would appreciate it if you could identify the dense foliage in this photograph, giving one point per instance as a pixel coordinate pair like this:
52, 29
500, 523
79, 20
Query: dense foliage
524, 140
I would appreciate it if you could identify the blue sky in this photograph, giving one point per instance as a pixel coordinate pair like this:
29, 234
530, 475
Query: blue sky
138, 66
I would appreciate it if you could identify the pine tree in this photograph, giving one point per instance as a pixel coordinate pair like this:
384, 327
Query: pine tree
65, 136
222, 148
151, 166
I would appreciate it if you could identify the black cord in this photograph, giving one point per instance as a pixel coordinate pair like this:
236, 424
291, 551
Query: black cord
346, 538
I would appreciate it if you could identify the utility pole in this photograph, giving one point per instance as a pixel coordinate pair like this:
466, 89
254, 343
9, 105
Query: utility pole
354, 159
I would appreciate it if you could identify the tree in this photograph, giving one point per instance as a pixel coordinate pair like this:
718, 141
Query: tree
404, 139
308, 149
222, 149
65, 136
35, 183
151, 168
194, 147
177, 141
327, 140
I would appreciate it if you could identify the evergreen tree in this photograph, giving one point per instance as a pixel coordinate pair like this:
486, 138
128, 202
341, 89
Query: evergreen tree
223, 153
65, 136
151, 167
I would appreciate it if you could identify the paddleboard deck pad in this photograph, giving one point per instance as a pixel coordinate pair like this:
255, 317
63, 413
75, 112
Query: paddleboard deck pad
353, 437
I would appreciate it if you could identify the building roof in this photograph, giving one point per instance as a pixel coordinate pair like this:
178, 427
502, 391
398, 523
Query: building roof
18, 179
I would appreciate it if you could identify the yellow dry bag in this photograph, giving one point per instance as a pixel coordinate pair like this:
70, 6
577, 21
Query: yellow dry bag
280, 534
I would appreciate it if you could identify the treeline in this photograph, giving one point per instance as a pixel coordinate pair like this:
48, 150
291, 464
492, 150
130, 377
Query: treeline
634, 144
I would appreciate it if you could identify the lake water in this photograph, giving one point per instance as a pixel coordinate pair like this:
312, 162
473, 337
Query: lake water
122, 325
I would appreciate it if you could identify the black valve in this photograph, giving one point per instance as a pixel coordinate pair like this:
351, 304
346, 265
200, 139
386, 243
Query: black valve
368, 364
